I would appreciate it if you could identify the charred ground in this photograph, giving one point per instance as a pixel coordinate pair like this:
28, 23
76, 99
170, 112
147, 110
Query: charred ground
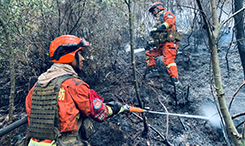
115, 82
157, 93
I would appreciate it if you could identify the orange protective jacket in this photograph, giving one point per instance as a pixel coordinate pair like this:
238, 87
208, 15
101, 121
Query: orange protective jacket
167, 18
167, 49
73, 98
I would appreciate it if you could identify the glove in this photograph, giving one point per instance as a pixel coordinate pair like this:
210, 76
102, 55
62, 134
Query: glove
149, 45
161, 28
114, 108
152, 33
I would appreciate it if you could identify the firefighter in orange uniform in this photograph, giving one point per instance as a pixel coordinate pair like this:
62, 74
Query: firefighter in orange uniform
60, 105
164, 41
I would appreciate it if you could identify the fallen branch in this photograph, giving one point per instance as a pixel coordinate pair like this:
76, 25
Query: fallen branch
164, 108
154, 129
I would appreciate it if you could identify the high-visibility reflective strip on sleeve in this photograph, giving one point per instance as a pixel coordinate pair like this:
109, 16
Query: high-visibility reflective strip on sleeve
171, 64
110, 112
147, 57
34, 143
153, 29
121, 110
78, 116
166, 25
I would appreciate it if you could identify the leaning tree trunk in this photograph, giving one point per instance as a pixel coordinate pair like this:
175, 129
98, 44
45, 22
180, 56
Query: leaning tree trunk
12, 74
240, 32
213, 33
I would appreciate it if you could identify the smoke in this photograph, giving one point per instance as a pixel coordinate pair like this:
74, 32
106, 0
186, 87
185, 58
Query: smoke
211, 112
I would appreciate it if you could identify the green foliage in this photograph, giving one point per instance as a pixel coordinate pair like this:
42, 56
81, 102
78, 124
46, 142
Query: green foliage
33, 24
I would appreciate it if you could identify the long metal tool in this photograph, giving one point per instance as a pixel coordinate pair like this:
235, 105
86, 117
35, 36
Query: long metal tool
140, 110
178, 115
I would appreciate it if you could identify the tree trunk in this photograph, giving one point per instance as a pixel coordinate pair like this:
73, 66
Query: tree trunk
240, 32
12, 74
213, 33
129, 3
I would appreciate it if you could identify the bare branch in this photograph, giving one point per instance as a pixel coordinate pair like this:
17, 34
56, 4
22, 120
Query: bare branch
232, 16
229, 107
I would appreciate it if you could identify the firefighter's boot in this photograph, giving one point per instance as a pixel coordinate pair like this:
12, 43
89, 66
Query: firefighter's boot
152, 72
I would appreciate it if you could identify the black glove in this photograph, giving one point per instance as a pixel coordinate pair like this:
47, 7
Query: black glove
114, 108
149, 45
152, 33
161, 28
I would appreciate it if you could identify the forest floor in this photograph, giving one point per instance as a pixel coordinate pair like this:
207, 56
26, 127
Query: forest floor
158, 94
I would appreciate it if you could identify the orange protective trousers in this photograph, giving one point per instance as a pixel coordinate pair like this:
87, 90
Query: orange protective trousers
168, 51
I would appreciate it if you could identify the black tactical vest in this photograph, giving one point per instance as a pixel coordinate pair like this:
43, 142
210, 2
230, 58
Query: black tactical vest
44, 119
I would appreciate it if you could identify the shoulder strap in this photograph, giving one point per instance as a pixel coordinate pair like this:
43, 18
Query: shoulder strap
61, 79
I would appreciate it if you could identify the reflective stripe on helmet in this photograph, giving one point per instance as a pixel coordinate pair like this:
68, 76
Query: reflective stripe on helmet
34, 143
171, 64
63, 48
68, 48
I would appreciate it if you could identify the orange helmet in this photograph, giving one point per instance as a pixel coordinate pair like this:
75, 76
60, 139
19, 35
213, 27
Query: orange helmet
63, 48
157, 5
